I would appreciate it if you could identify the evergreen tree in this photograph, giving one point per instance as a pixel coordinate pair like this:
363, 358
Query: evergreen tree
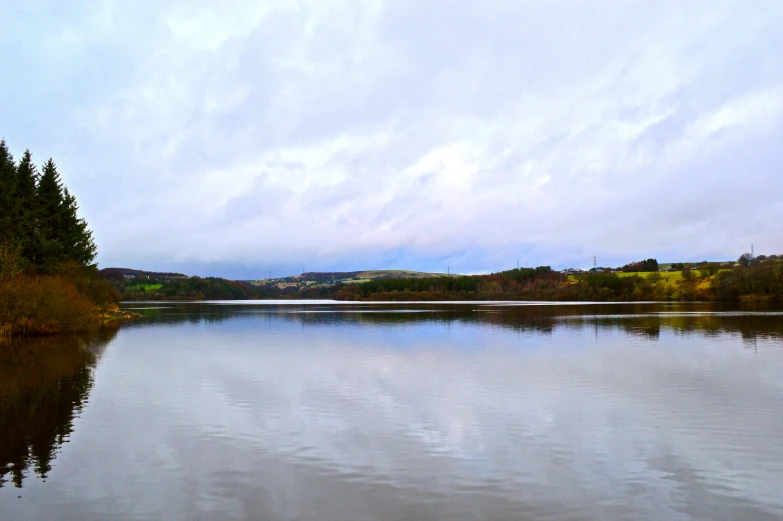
25, 226
7, 191
39, 217
50, 203
78, 244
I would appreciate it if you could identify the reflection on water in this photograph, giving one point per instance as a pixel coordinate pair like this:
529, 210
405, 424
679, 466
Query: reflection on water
440, 411
749, 321
44, 383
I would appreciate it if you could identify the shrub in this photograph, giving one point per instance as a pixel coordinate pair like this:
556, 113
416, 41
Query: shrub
44, 305
11, 262
89, 283
709, 269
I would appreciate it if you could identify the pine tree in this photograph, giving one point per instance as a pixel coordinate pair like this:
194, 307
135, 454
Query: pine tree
7, 199
77, 241
50, 207
25, 226
38, 216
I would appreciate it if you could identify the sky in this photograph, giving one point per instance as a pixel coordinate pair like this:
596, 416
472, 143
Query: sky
237, 138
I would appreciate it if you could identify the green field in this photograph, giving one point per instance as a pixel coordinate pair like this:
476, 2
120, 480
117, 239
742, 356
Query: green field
668, 276
665, 275
145, 287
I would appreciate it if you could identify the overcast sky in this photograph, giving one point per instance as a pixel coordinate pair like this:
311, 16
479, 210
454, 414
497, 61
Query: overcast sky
231, 138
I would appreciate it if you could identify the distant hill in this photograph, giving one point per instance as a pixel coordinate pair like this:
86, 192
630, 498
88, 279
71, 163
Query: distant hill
154, 285
127, 273
329, 278
759, 279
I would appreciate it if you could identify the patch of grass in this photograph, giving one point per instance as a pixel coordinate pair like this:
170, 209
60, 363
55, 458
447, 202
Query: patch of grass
665, 275
145, 287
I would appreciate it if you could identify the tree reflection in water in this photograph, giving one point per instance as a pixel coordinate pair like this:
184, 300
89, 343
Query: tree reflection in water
44, 384
648, 320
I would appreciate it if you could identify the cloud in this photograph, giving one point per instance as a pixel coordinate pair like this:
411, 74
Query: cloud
230, 138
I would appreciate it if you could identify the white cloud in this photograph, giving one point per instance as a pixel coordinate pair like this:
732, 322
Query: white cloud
759, 111
378, 133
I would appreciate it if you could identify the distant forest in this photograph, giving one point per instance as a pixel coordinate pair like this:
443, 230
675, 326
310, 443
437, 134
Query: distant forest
758, 279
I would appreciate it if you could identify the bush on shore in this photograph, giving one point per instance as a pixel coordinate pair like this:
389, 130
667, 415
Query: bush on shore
72, 298
48, 304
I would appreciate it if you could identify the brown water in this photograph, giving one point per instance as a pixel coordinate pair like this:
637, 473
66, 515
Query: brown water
405, 411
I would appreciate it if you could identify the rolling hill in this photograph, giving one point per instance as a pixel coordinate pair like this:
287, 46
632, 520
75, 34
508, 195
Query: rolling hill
329, 278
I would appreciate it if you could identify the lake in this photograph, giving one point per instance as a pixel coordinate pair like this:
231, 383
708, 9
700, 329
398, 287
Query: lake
447, 411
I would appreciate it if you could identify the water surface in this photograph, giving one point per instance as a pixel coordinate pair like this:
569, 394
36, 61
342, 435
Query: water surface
399, 411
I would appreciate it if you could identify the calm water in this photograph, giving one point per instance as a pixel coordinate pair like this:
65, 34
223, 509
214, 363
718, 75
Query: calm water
387, 412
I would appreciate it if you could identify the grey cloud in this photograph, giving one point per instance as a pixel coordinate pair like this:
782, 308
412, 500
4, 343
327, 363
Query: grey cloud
222, 138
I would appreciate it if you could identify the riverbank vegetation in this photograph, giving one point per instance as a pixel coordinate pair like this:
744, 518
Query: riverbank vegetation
757, 281
142, 285
760, 279
48, 282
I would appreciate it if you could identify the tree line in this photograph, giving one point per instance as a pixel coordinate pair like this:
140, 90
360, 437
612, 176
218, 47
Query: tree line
761, 280
48, 280
185, 288
647, 265
39, 216
516, 284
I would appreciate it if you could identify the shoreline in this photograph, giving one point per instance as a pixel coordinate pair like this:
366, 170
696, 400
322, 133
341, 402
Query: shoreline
119, 315
109, 318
